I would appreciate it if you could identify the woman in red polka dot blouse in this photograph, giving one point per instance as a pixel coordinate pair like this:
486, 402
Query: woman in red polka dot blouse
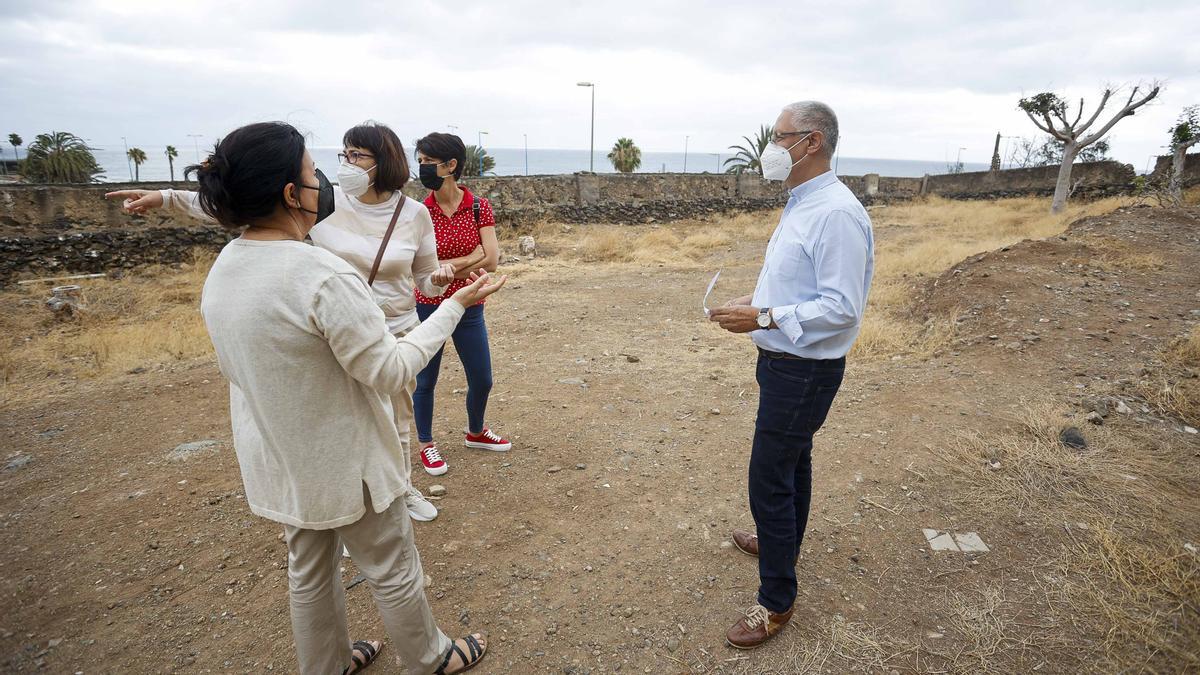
465, 229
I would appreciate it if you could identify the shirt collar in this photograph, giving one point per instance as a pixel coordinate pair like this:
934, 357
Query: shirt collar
813, 184
467, 200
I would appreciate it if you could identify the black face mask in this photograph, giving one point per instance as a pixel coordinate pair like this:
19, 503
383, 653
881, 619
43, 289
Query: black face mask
429, 177
324, 197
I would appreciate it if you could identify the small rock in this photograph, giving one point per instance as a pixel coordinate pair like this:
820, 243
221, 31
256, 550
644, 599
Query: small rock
672, 645
554, 469
18, 462
1072, 437
1190, 430
1122, 408
186, 450
631, 358
581, 466
715, 411
437, 490
571, 380
1095, 418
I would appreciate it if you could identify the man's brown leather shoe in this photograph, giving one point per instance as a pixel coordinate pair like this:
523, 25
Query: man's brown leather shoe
756, 627
747, 542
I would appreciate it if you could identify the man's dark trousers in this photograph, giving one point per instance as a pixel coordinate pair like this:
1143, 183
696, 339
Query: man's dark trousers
794, 397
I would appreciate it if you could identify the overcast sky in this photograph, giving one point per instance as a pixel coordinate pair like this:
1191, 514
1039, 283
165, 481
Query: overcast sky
908, 80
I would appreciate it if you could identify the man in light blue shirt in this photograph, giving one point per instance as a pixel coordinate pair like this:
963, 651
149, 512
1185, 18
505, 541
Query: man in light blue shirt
804, 316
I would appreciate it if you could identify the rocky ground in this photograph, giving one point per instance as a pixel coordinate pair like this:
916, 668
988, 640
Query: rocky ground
599, 544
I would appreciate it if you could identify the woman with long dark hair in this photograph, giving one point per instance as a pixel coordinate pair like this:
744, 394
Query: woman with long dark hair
313, 369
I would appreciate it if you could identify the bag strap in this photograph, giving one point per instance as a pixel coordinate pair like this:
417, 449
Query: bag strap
387, 236
475, 208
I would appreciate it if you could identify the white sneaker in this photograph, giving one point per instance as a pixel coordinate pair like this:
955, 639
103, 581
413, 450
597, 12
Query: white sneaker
419, 508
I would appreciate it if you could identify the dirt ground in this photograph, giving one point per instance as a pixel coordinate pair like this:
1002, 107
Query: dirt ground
599, 544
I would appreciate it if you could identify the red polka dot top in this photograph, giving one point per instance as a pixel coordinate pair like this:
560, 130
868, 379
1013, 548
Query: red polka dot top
457, 235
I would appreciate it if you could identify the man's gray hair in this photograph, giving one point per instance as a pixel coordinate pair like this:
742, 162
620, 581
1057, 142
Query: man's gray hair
815, 116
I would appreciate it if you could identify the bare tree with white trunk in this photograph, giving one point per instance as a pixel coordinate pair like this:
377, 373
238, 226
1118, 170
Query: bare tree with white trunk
1184, 135
1049, 112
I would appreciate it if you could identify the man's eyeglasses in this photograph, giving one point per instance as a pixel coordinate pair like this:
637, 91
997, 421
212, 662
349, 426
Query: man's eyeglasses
353, 157
779, 136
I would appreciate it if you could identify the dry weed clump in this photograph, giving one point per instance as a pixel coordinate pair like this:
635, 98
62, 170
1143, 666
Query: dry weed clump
1126, 505
1175, 390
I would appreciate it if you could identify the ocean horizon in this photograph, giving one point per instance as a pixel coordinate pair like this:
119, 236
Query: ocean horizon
515, 162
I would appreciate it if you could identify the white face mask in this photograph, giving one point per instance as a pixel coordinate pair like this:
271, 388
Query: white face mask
776, 161
354, 180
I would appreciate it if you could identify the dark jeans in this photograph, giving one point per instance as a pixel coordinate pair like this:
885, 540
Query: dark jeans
471, 342
794, 397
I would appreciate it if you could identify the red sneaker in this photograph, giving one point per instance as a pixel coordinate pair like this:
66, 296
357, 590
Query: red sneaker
487, 440
431, 459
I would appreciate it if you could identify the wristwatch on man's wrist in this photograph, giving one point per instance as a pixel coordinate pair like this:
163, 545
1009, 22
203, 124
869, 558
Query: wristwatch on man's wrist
764, 317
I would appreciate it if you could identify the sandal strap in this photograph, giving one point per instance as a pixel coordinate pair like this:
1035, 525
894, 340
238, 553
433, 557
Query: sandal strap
475, 649
441, 670
366, 648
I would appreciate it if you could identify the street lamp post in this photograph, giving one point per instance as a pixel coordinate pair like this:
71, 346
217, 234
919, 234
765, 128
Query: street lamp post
592, 146
526, 153
127, 160
479, 151
718, 156
196, 142
958, 160
685, 144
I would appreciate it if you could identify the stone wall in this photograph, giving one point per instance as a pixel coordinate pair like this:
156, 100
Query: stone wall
1191, 170
65, 229
1094, 179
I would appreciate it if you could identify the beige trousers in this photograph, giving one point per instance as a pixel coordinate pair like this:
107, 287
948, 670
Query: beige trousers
402, 406
384, 551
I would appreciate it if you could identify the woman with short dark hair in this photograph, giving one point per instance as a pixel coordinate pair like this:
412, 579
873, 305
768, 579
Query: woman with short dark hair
465, 229
370, 205
313, 369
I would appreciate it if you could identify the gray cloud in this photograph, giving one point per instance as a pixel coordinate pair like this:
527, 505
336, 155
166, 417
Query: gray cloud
908, 79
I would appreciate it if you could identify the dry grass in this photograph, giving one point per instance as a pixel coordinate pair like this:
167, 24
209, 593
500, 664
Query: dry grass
1124, 576
1175, 390
147, 318
923, 238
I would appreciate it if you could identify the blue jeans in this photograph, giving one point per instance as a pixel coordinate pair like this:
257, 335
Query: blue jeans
794, 397
471, 343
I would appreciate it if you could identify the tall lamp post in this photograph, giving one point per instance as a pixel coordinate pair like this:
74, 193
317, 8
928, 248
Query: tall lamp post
479, 151
196, 142
592, 146
128, 161
685, 143
526, 153
958, 159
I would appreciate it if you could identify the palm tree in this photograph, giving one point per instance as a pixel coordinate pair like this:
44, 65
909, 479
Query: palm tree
473, 163
59, 157
625, 156
746, 157
171, 154
15, 141
138, 156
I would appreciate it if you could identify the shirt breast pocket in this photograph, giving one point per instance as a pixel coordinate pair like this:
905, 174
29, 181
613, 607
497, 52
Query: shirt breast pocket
790, 261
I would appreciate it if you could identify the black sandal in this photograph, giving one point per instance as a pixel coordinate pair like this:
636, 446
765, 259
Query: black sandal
473, 646
360, 665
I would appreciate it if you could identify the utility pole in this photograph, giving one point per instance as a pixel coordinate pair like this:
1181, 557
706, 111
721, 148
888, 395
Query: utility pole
127, 160
196, 143
685, 144
592, 146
